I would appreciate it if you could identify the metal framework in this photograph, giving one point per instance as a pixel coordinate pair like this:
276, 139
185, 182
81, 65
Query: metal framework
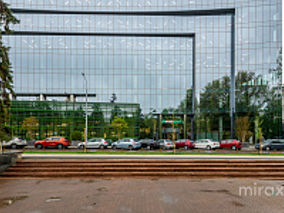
209, 12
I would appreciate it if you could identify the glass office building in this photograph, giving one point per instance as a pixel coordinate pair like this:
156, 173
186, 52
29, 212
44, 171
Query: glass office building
207, 62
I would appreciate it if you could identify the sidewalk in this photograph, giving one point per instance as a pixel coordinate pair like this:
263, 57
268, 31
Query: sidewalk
135, 156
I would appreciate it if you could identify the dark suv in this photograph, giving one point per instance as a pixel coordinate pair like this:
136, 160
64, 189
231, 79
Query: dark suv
272, 144
149, 143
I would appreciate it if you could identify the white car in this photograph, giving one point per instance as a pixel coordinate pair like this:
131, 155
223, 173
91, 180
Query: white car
94, 143
15, 143
206, 144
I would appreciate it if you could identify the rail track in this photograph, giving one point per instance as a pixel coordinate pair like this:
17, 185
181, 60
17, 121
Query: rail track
189, 168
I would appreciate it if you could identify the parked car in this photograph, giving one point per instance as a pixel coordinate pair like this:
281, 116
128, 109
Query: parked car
184, 143
165, 144
148, 143
126, 143
231, 144
272, 144
54, 142
94, 143
206, 144
15, 143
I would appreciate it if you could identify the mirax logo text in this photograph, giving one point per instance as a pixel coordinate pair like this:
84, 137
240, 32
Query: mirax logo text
256, 190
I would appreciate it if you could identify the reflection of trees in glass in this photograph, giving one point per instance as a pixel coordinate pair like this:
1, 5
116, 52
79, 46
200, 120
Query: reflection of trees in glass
113, 98
186, 104
44, 116
79, 119
76, 136
255, 96
30, 124
272, 113
96, 121
134, 121
251, 93
213, 106
242, 128
148, 125
116, 112
119, 125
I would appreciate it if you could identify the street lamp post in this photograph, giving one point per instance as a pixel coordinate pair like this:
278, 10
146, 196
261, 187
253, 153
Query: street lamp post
86, 115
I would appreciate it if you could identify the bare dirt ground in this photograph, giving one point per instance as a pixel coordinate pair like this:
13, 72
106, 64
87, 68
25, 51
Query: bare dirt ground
136, 195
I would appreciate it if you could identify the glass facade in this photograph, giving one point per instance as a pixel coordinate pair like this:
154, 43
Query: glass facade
156, 72
63, 118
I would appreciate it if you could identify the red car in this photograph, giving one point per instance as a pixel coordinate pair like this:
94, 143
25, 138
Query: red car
57, 142
184, 143
230, 144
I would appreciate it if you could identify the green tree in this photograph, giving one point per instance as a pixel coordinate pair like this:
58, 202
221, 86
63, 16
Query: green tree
113, 98
78, 119
272, 113
242, 128
119, 125
97, 121
30, 124
6, 79
116, 112
186, 104
76, 136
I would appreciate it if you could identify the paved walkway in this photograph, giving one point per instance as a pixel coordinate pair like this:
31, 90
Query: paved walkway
136, 156
125, 195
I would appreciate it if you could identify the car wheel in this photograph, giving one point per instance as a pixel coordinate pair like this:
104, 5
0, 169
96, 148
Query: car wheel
59, 146
14, 146
186, 147
208, 147
102, 147
267, 148
114, 147
130, 148
164, 148
81, 147
233, 147
39, 146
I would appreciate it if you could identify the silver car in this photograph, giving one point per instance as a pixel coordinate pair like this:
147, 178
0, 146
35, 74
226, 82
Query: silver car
15, 143
206, 144
126, 143
165, 144
94, 143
